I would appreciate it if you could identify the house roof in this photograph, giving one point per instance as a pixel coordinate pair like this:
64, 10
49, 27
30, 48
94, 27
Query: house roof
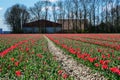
42, 23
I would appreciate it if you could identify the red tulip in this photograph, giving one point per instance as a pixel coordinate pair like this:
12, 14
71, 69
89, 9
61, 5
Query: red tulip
12, 59
16, 63
65, 76
118, 58
39, 55
102, 62
60, 72
104, 67
18, 73
99, 50
115, 70
108, 55
92, 59
27, 49
96, 65
103, 56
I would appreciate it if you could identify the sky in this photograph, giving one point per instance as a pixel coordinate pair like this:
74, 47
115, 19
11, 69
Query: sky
4, 4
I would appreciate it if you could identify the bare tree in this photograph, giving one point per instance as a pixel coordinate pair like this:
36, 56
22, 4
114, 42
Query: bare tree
36, 10
46, 4
61, 11
54, 11
85, 11
16, 16
117, 13
76, 8
68, 7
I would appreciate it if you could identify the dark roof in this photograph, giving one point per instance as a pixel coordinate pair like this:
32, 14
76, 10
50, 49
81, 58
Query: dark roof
42, 23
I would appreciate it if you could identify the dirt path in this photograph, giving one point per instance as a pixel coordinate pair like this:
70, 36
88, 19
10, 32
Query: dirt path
79, 71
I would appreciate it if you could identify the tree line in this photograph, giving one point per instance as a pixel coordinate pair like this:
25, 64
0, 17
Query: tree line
103, 15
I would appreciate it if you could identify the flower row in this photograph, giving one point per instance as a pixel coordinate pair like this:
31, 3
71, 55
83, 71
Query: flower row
102, 59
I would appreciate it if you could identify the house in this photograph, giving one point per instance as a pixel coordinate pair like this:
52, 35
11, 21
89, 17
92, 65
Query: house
73, 24
1, 31
42, 26
7, 32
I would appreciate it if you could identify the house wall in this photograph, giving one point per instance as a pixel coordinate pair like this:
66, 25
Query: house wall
58, 29
53, 29
71, 24
30, 30
1, 31
36, 29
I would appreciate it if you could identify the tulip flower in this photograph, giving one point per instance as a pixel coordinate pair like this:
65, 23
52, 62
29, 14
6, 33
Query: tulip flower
18, 73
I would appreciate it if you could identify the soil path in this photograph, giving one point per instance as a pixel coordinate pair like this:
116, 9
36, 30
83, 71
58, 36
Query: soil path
79, 71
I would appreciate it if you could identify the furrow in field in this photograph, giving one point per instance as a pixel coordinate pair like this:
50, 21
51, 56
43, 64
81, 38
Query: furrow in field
74, 68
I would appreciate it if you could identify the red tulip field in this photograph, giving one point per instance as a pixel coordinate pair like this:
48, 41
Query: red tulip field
30, 57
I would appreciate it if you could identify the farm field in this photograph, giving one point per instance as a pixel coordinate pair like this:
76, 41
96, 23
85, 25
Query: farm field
97, 51
27, 56
29, 59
